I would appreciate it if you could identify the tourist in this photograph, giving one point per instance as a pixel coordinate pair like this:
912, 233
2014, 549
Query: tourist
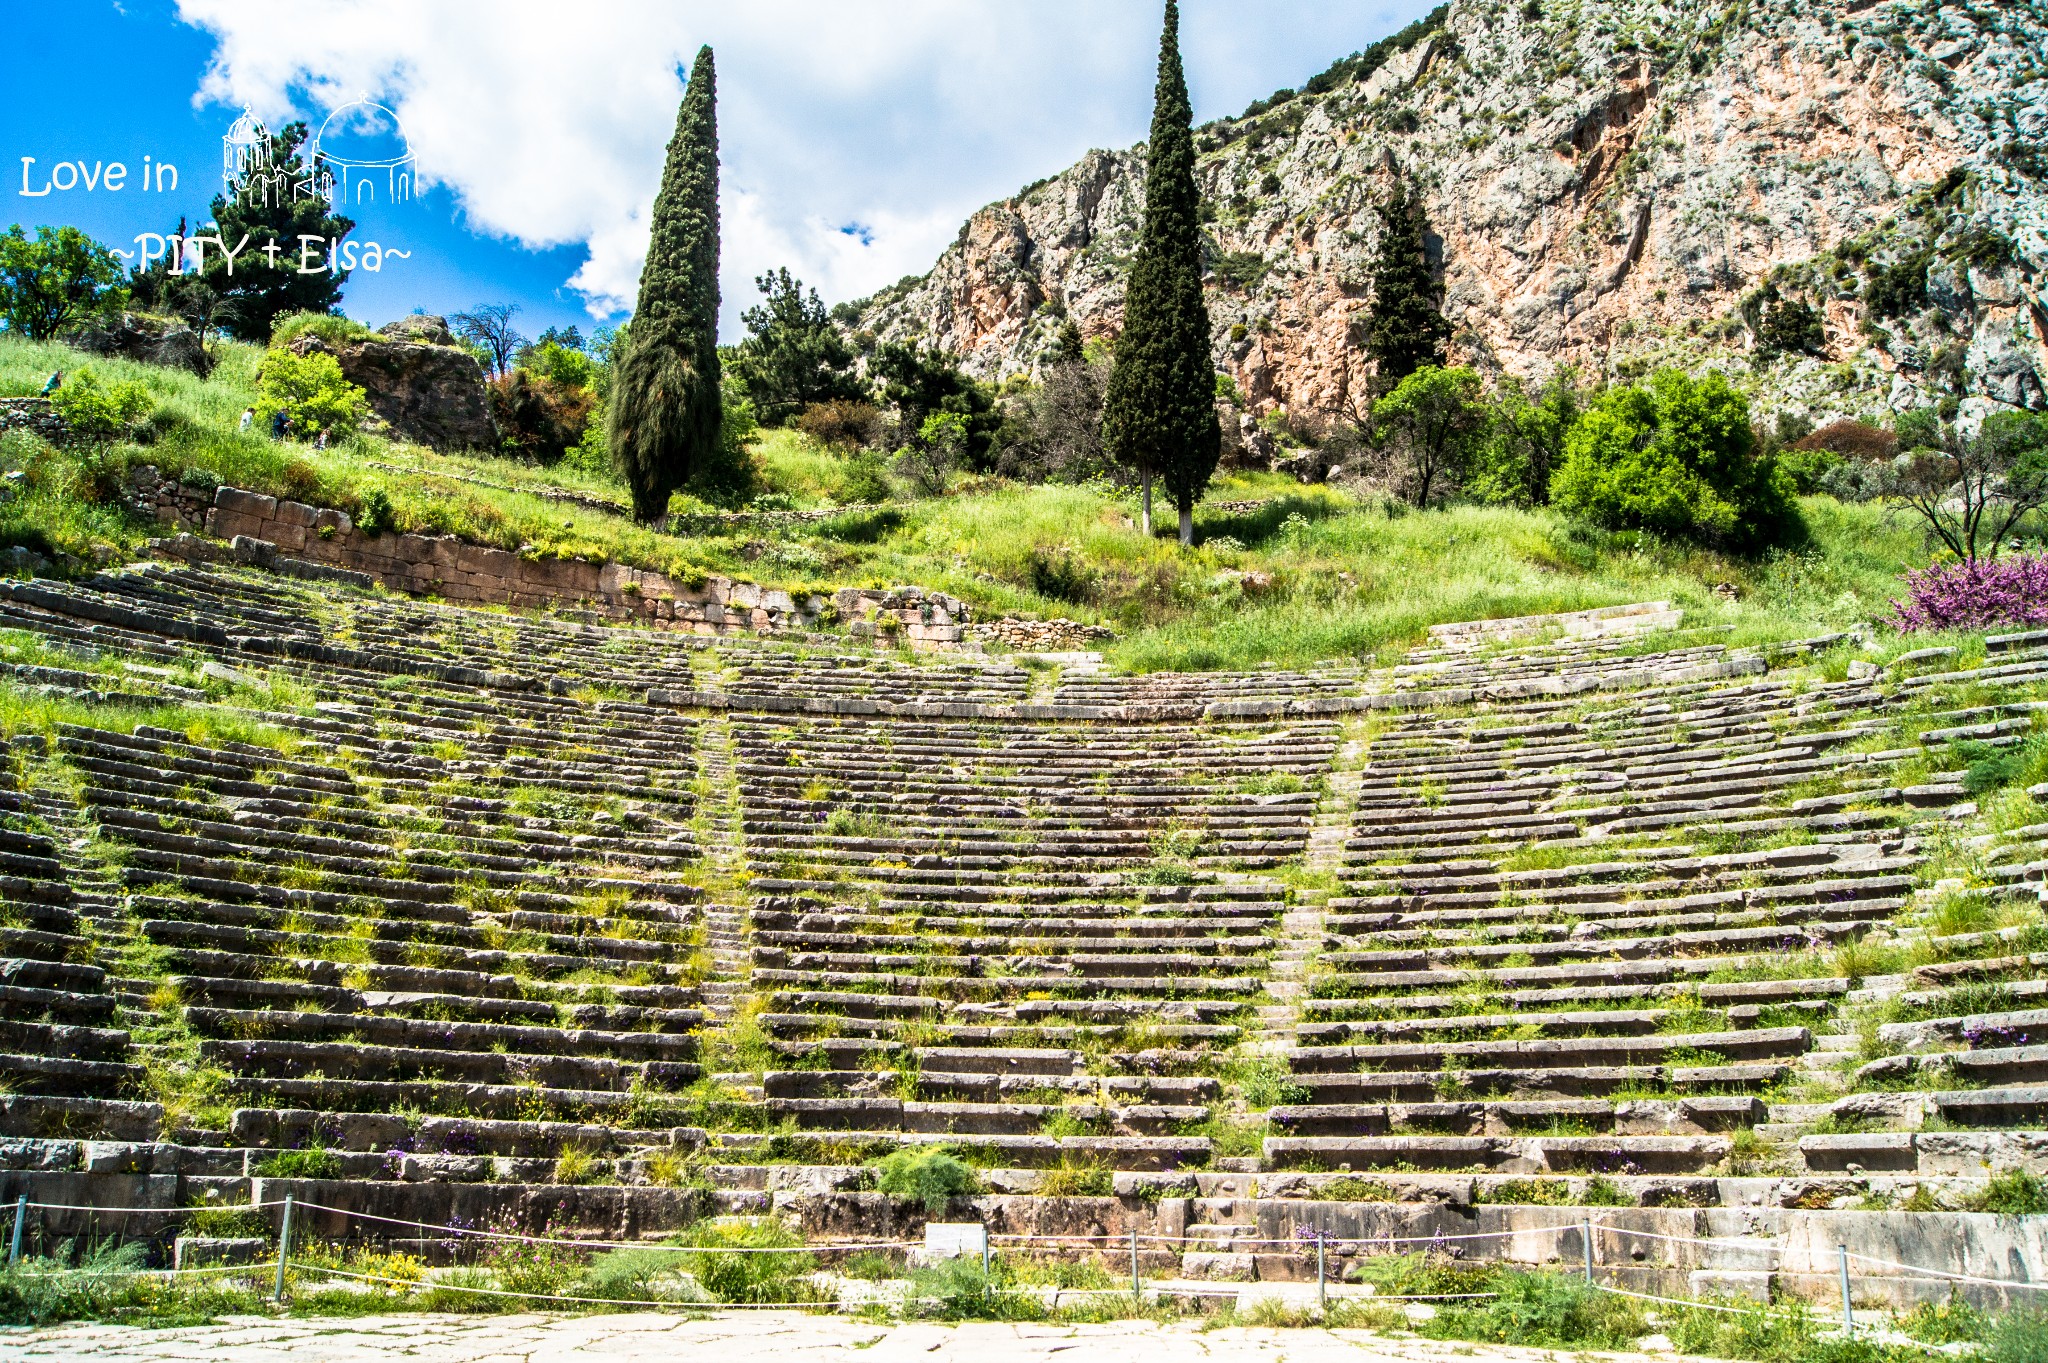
279, 424
248, 416
53, 383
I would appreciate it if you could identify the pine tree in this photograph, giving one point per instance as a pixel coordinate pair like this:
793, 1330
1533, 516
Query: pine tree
1159, 416
666, 404
1405, 327
262, 219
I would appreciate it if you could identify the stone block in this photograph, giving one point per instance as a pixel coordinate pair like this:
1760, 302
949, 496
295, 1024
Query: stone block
235, 501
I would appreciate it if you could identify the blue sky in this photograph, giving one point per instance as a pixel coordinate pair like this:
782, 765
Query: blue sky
856, 135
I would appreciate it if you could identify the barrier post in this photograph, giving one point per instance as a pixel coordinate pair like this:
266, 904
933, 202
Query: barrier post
284, 1245
1586, 1238
1322, 1286
984, 1256
1848, 1312
1137, 1291
20, 1216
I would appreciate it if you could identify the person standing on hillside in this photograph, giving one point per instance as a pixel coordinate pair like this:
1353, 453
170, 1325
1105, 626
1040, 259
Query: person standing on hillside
248, 419
54, 382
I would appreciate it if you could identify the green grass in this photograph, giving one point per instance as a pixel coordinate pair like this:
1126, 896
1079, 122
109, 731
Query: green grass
1347, 577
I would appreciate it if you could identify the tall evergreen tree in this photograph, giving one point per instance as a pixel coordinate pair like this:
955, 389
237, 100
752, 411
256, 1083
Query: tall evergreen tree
666, 414
1404, 327
1159, 416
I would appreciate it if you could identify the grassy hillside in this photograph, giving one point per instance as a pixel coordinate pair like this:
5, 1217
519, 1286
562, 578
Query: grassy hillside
1313, 574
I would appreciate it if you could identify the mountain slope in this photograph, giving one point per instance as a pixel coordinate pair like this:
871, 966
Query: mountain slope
1614, 186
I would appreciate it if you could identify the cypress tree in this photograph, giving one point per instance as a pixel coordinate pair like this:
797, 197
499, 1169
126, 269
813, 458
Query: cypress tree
1159, 414
1405, 327
666, 415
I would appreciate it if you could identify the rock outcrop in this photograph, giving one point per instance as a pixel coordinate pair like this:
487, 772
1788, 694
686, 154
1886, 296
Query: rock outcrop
1612, 187
148, 340
428, 392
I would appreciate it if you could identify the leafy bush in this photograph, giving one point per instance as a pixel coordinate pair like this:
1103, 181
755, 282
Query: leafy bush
958, 1289
749, 1277
1976, 594
1677, 458
1986, 768
2021, 1337
1854, 439
301, 1164
106, 1286
1790, 326
312, 393
930, 1176
377, 516
841, 424
866, 479
96, 409
540, 417
1544, 1311
558, 365
1059, 575
331, 327
2012, 1193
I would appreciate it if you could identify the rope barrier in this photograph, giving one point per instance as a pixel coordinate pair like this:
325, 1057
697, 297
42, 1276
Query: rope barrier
1303, 1243
1677, 1301
603, 1244
1950, 1277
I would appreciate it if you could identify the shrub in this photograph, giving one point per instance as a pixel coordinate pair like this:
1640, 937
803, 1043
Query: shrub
2012, 1193
558, 364
330, 327
2020, 1337
1976, 594
842, 424
865, 480
301, 1164
376, 516
930, 1176
98, 410
1677, 458
1790, 326
538, 417
311, 391
760, 1275
1059, 575
1544, 1311
1855, 439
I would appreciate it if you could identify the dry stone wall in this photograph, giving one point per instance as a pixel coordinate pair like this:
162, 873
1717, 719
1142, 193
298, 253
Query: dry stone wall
261, 528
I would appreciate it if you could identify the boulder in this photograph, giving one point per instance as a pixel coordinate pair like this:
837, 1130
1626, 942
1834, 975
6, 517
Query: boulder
149, 340
422, 328
431, 394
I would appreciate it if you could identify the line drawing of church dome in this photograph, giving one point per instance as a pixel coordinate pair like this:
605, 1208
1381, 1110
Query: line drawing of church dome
244, 150
358, 146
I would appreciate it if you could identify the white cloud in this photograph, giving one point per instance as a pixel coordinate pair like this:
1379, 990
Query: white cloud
549, 122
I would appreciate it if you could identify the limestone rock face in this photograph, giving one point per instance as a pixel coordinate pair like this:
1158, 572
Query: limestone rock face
149, 340
1611, 187
429, 393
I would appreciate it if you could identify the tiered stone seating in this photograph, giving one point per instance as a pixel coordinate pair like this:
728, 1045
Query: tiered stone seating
57, 1032
1535, 937
980, 911
439, 906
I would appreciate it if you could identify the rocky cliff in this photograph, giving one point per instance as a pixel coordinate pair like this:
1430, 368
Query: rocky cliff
1615, 186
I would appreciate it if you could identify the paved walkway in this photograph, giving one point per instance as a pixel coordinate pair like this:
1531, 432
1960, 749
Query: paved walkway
769, 1337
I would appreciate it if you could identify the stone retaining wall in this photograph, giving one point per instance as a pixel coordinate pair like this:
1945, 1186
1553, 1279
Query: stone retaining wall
1042, 636
260, 528
32, 414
